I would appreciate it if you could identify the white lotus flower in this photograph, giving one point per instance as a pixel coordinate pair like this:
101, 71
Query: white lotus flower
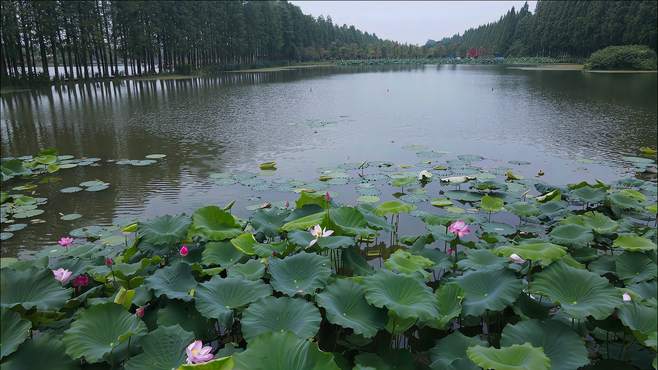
318, 232
517, 259
424, 175
626, 297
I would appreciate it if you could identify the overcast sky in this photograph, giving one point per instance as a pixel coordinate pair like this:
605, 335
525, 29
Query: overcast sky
411, 21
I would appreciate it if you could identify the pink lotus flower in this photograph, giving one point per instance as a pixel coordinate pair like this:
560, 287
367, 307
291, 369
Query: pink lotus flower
626, 297
139, 312
109, 262
80, 281
197, 353
318, 232
62, 275
516, 259
459, 228
65, 241
184, 250
327, 197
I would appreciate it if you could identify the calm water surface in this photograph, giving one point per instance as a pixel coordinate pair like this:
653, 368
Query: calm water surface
574, 125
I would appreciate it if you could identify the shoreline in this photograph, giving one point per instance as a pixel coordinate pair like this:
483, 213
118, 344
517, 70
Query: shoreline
169, 77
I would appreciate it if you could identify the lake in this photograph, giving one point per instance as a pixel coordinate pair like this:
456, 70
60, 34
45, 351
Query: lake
573, 125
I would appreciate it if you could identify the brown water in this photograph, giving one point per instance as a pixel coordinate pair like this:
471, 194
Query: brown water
572, 124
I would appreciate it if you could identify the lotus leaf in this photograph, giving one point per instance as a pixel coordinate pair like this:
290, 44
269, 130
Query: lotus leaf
571, 235
588, 194
515, 357
542, 252
408, 297
596, 221
213, 223
166, 231
302, 273
218, 363
449, 302
14, 331
498, 228
155, 156
32, 288
245, 243
100, 330
283, 351
635, 267
488, 290
163, 349
634, 243
406, 263
580, 293
639, 318
348, 221
482, 260
220, 253
336, 242
184, 314
174, 281
449, 353
218, 297
524, 209
305, 222
282, 314
393, 207
41, 352
561, 344
345, 305
268, 221
250, 270
308, 198
491, 204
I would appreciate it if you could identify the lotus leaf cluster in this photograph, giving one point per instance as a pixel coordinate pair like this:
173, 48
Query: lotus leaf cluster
547, 277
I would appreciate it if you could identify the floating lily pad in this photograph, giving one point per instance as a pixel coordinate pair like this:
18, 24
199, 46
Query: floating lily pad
29, 213
155, 156
70, 217
15, 227
72, 189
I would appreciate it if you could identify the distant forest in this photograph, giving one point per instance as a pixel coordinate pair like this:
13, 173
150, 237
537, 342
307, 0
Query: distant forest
557, 28
162, 36
103, 38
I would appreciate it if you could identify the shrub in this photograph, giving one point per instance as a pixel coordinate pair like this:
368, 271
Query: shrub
630, 57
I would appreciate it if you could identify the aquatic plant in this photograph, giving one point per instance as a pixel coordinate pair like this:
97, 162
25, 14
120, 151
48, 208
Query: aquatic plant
545, 284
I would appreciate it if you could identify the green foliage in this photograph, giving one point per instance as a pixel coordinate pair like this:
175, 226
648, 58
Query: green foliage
626, 57
262, 298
